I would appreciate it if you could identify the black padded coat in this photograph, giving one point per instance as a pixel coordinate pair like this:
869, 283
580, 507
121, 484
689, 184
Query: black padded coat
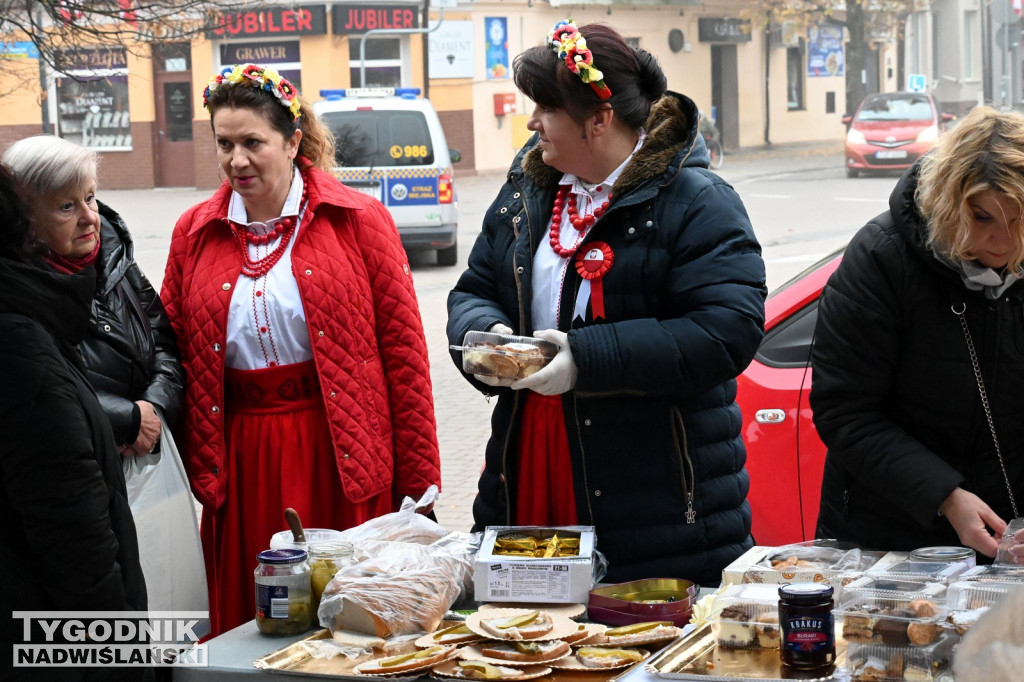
894, 393
129, 348
653, 427
69, 538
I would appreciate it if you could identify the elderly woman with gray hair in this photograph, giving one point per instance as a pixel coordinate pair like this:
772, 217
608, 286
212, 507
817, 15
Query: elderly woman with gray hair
128, 350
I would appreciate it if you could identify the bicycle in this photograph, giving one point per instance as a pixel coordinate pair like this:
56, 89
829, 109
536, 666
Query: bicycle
712, 141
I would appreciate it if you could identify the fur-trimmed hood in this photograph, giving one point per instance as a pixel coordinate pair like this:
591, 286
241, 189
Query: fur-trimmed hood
672, 143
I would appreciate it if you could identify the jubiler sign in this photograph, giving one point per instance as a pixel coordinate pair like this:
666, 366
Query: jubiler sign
348, 19
276, 21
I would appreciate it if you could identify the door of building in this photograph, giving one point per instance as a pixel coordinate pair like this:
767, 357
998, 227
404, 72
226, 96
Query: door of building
172, 92
725, 94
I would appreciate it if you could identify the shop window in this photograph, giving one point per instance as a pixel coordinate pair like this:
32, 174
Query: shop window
384, 62
794, 78
92, 99
172, 57
281, 55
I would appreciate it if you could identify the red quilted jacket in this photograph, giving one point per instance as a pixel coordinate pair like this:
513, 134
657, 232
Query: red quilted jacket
364, 326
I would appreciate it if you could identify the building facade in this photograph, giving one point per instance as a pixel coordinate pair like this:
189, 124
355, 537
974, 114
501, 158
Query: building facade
140, 105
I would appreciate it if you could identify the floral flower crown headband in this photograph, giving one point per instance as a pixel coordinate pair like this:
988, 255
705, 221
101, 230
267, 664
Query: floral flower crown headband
257, 77
570, 45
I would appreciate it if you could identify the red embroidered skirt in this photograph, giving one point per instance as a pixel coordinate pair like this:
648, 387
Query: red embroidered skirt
279, 455
544, 490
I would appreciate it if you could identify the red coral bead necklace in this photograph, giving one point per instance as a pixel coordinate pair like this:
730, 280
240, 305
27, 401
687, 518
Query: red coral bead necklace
284, 229
582, 223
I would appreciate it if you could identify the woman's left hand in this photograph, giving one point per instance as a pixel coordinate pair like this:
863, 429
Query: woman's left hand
149, 431
559, 376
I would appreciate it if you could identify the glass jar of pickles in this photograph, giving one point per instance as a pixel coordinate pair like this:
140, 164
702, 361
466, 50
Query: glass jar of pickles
283, 599
325, 559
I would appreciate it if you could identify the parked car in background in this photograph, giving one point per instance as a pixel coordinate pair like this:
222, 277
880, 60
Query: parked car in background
390, 145
892, 130
785, 457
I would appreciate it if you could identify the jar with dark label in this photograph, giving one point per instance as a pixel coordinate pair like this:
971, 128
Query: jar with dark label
283, 599
808, 627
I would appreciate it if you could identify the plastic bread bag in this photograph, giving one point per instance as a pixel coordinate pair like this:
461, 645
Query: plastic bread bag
817, 554
397, 588
408, 524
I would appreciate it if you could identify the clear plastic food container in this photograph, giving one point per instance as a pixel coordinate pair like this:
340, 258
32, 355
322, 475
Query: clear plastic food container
746, 617
923, 571
911, 589
503, 355
890, 618
897, 663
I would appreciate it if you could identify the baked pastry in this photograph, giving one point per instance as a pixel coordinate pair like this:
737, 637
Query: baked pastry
457, 634
479, 670
923, 608
893, 630
963, 620
916, 673
508, 361
604, 657
923, 633
870, 669
401, 663
527, 625
527, 652
767, 629
735, 627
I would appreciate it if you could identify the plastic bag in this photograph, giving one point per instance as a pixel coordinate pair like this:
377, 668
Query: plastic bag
165, 520
408, 573
1011, 546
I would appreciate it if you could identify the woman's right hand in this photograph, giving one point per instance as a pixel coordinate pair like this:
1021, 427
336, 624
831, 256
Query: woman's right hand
149, 431
971, 518
498, 328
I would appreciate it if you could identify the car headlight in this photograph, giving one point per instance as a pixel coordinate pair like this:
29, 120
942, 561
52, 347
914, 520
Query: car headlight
854, 136
929, 134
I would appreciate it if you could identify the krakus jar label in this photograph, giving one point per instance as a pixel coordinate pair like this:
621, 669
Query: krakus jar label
808, 626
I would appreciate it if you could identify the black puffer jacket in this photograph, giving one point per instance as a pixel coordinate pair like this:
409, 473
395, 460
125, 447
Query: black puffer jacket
684, 306
894, 393
69, 538
129, 349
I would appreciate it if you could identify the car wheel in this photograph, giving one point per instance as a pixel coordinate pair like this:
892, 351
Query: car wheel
852, 172
449, 256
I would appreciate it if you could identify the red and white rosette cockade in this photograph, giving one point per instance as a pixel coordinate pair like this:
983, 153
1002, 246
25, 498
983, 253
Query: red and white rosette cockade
593, 264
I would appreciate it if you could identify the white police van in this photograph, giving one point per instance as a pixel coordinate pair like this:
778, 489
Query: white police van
390, 145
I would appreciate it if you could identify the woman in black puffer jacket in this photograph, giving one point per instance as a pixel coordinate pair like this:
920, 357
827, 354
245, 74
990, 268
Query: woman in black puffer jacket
130, 351
633, 427
69, 540
935, 280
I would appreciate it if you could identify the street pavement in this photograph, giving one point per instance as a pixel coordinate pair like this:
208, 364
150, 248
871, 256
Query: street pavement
463, 414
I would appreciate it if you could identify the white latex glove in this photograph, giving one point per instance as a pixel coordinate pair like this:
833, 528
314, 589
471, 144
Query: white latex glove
560, 374
497, 328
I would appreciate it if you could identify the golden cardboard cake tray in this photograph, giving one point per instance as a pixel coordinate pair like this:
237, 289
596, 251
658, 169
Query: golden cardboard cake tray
697, 657
298, 658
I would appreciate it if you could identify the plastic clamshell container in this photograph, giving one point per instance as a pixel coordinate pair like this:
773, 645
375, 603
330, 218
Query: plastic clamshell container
975, 595
922, 571
896, 663
646, 600
997, 573
911, 589
746, 617
889, 605
285, 540
503, 355
890, 618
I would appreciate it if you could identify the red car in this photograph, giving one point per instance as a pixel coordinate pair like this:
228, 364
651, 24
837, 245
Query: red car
892, 130
785, 457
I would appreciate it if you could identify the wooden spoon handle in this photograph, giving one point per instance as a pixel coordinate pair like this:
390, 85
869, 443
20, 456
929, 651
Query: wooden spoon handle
292, 517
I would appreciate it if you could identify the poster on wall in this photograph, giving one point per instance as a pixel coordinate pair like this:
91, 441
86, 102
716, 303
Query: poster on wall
451, 50
94, 112
825, 50
496, 29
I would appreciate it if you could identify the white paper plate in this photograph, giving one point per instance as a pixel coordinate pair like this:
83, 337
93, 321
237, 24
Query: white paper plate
560, 625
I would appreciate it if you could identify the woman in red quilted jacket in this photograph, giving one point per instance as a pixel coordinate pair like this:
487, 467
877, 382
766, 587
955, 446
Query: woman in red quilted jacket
307, 377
